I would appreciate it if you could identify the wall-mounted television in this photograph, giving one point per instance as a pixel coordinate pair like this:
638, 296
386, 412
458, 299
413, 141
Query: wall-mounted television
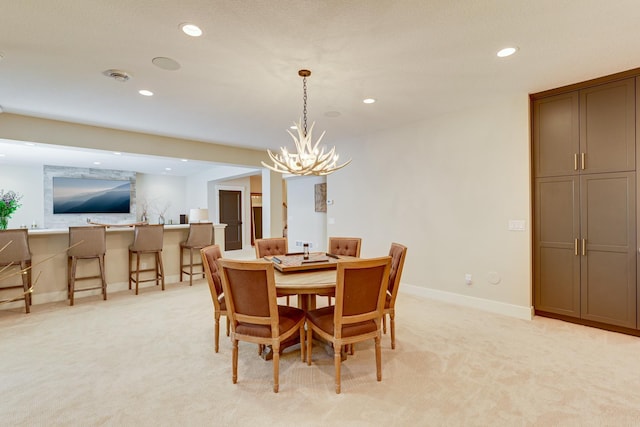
89, 195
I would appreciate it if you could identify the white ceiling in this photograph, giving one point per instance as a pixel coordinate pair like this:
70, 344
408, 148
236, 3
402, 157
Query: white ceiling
238, 83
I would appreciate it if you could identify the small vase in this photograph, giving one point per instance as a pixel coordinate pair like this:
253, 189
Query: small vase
143, 217
4, 222
161, 219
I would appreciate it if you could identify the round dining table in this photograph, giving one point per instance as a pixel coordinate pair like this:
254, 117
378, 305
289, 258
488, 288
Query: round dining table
306, 285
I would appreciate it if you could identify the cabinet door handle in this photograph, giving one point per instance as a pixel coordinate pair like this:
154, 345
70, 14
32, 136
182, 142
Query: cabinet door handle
575, 161
583, 160
584, 247
575, 246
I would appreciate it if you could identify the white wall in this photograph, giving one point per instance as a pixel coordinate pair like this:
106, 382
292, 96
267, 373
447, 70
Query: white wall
446, 188
27, 181
304, 223
162, 193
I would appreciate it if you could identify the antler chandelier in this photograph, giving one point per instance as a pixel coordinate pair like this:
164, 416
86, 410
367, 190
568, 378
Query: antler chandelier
308, 158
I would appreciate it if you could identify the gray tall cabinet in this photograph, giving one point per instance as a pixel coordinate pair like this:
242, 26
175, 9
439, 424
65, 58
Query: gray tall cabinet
585, 227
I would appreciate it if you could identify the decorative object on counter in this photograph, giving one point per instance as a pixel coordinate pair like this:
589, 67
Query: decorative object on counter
161, 219
162, 211
9, 203
183, 219
199, 215
308, 158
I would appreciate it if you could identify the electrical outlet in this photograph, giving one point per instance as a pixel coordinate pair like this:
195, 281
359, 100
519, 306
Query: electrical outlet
468, 279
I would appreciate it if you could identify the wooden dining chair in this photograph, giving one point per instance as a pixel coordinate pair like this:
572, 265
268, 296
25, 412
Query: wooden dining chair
15, 261
397, 253
272, 246
347, 246
250, 295
357, 314
210, 255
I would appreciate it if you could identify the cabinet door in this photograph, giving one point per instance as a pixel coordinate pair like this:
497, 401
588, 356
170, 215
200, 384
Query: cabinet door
607, 127
556, 261
556, 135
608, 265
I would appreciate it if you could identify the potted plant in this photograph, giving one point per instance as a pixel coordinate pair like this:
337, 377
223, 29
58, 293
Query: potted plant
9, 203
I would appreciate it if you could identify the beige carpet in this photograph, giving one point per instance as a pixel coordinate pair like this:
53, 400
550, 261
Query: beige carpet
149, 360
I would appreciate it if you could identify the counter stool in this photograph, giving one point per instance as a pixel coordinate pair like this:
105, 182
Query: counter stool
147, 240
200, 236
15, 253
86, 243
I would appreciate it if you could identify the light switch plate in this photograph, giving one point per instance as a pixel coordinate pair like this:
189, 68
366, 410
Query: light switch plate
516, 224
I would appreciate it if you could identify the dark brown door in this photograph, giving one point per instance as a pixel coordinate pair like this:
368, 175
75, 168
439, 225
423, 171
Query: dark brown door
608, 276
556, 134
556, 246
607, 127
231, 214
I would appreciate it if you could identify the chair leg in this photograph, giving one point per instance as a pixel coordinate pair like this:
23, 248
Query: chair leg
102, 277
137, 270
276, 366
160, 267
26, 284
392, 318
181, 262
384, 323
302, 343
378, 360
190, 267
130, 265
234, 362
309, 340
72, 280
337, 360
217, 330
228, 325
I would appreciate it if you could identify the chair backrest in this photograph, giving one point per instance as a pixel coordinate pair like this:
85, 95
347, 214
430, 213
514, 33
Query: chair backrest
16, 246
397, 253
349, 246
89, 241
210, 256
148, 237
361, 286
250, 294
200, 234
271, 246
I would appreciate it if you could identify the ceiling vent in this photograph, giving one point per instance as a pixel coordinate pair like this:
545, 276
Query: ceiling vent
118, 75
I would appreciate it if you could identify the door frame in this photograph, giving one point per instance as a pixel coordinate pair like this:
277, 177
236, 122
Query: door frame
243, 209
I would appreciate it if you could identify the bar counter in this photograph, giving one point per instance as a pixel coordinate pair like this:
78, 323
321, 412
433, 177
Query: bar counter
51, 284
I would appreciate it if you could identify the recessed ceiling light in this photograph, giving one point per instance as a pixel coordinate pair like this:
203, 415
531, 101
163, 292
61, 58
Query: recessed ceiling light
191, 30
145, 92
96, 163
2, 155
369, 101
30, 144
184, 160
167, 169
117, 153
294, 127
507, 51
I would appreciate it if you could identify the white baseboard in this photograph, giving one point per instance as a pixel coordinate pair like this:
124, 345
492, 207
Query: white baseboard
517, 311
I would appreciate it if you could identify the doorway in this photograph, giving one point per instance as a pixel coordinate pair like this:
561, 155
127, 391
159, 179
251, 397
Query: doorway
231, 214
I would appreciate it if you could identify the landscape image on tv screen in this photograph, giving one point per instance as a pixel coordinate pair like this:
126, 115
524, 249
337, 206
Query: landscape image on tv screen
87, 195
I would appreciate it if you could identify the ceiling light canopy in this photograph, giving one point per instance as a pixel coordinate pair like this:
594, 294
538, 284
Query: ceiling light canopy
308, 159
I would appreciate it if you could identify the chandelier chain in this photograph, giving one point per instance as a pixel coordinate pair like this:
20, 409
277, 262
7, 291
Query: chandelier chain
304, 102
